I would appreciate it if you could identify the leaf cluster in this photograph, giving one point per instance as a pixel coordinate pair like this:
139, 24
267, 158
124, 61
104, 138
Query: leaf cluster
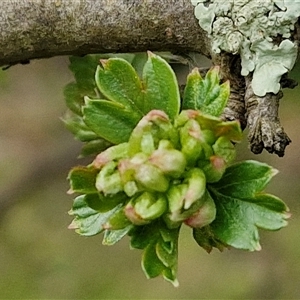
167, 162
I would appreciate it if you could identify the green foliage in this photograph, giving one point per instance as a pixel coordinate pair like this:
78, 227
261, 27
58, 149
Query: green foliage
162, 167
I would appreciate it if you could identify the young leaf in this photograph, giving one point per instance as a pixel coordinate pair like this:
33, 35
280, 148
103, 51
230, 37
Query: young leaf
83, 180
231, 130
110, 120
119, 82
245, 179
101, 203
161, 87
80, 130
206, 95
242, 207
206, 239
87, 221
111, 237
160, 254
94, 147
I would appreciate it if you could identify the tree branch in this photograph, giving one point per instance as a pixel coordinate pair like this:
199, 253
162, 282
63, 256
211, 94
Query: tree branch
40, 29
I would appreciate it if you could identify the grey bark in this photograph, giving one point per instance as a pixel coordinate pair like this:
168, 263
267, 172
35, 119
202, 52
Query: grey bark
32, 29
44, 28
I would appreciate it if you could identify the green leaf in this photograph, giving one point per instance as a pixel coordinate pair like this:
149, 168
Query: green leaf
84, 68
231, 130
206, 239
167, 247
79, 129
141, 236
111, 237
151, 264
119, 82
160, 246
73, 97
161, 87
87, 221
245, 179
139, 61
242, 207
110, 120
102, 203
206, 95
83, 180
94, 147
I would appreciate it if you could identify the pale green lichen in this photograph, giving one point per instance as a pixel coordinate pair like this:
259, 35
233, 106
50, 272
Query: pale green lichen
248, 28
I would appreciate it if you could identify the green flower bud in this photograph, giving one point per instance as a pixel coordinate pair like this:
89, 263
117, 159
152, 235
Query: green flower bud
185, 199
224, 148
108, 180
112, 153
131, 188
196, 182
170, 161
149, 131
151, 178
213, 168
205, 215
175, 196
208, 137
190, 139
184, 116
145, 208
117, 221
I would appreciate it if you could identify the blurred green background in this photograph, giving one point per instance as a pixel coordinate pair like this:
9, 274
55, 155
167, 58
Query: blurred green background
41, 259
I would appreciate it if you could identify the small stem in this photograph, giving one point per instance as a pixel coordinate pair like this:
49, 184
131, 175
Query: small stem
230, 69
265, 130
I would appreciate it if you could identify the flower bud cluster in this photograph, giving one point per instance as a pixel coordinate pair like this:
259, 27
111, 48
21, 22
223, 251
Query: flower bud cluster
164, 169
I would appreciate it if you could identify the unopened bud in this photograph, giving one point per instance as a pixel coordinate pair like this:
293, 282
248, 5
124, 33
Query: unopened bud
108, 180
196, 182
117, 221
185, 199
112, 153
190, 139
170, 161
151, 178
208, 137
205, 215
145, 208
224, 148
213, 168
152, 127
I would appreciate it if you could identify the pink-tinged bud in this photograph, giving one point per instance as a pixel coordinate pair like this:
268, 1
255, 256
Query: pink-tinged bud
108, 180
170, 161
224, 148
196, 182
184, 199
151, 178
117, 221
184, 116
205, 215
145, 208
131, 188
214, 168
190, 140
112, 153
142, 138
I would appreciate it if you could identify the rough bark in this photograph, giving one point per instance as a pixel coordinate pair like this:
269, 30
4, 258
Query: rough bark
45, 28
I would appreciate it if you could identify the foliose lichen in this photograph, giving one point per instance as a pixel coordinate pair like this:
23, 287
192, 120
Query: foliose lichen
258, 30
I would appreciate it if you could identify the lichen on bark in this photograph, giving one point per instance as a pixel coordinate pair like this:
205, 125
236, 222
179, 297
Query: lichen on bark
261, 33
